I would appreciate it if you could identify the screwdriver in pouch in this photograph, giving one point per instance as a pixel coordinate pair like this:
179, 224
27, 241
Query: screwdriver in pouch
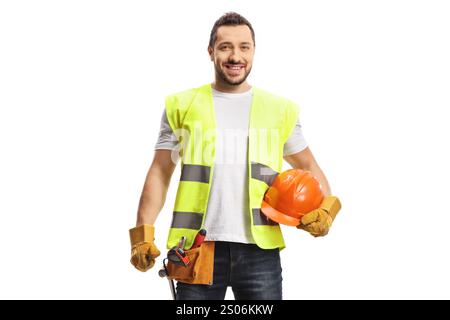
199, 238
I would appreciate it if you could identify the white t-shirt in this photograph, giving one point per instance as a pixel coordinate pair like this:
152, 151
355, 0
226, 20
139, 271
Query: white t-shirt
227, 215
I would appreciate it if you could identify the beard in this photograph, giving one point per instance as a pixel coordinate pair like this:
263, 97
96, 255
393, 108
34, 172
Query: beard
231, 81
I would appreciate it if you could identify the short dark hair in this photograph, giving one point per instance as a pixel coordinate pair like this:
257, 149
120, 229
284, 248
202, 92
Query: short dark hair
229, 19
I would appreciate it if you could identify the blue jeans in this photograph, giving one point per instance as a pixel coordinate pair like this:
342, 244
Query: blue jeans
253, 274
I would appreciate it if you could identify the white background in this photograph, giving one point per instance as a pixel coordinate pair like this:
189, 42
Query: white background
82, 86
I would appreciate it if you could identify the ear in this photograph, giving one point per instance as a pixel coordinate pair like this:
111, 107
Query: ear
211, 53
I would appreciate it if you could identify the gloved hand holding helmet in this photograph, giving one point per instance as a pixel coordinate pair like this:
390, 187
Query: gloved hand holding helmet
318, 221
295, 198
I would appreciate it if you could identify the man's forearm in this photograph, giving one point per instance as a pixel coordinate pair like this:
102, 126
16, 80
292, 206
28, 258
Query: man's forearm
152, 198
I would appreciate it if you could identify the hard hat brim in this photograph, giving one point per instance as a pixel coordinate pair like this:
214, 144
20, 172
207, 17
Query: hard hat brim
278, 216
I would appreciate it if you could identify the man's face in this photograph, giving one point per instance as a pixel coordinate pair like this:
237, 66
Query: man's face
233, 53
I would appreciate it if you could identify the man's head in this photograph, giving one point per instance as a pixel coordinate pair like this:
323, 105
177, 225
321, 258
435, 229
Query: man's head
231, 48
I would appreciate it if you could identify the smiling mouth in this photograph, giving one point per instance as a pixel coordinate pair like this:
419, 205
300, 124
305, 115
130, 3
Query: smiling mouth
234, 69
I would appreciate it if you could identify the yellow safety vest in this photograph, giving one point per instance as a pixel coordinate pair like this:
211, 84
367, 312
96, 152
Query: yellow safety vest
192, 118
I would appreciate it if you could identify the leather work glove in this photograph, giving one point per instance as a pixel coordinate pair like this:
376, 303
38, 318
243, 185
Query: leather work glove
318, 221
143, 250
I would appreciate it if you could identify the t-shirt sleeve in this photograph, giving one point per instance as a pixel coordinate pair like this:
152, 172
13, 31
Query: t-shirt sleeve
166, 138
296, 141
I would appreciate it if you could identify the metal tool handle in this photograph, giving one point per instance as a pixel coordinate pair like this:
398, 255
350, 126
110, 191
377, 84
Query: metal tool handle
165, 273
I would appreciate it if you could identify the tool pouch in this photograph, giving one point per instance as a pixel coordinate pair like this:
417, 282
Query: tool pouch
200, 268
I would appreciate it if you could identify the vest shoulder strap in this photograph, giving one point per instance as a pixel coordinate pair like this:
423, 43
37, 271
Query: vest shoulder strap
286, 106
177, 105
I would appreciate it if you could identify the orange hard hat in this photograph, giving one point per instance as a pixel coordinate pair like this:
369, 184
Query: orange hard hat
293, 193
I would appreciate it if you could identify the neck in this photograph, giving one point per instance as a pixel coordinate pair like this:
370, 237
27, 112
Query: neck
225, 87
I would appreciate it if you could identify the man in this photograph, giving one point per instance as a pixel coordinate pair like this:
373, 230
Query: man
232, 138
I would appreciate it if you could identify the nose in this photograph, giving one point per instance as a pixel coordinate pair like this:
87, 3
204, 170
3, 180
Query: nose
234, 57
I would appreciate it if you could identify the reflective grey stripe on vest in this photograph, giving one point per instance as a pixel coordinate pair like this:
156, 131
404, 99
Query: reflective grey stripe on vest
194, 172
187, 220
263, 173
259, 219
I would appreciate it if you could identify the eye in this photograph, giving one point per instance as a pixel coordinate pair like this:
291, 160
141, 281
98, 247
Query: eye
245, 47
